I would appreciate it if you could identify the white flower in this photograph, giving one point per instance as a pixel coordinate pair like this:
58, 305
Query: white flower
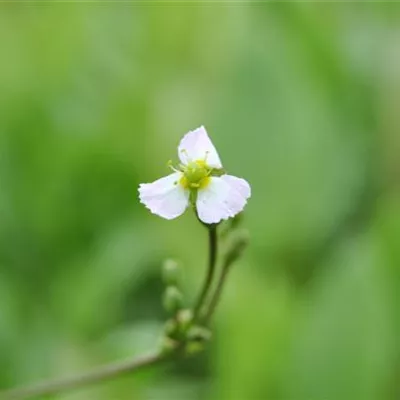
200, 180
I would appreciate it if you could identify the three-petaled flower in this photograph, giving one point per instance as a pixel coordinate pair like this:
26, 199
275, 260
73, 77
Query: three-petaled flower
200, 180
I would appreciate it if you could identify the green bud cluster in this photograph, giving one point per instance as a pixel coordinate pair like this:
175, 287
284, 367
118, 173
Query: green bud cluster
177, 327
181, 329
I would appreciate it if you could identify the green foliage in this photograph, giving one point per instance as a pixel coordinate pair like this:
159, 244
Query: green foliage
300, 99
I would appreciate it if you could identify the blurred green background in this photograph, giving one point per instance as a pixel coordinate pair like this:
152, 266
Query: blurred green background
300, 99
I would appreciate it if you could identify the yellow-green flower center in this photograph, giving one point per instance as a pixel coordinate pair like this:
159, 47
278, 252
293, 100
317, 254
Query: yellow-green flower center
196, 175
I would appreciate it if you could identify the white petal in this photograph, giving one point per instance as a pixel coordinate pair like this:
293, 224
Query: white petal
196, 145
223, 198
241, 185
165, 197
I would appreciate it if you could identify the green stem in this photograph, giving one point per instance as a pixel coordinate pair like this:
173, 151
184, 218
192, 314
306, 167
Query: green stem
217, 293
238, 243
212, 258
100, 374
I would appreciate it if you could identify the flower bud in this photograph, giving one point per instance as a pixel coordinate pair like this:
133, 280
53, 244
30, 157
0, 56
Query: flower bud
170, 272
173, 299
238, 242
184, 318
